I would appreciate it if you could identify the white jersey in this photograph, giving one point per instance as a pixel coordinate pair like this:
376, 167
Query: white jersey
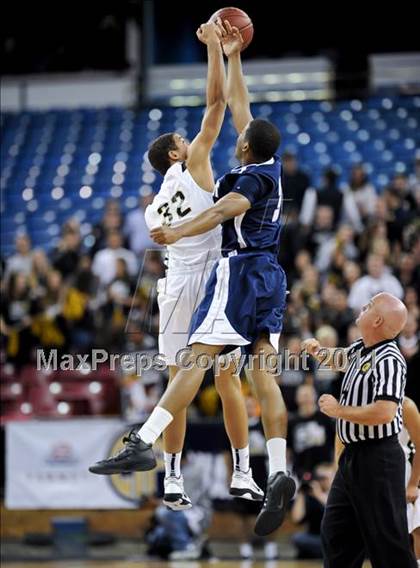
180, 199
404, 439
413, 509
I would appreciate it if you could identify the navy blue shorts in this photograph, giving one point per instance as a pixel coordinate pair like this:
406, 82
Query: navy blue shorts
245, 297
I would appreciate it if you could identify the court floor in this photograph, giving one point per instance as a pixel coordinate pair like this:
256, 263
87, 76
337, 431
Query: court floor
172, 564
169, 564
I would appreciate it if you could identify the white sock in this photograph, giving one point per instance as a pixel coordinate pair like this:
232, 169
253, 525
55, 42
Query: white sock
172, 464
155, 425
276, 448
241, 459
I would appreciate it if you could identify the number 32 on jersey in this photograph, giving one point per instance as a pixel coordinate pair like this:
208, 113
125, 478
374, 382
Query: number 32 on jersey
174, 207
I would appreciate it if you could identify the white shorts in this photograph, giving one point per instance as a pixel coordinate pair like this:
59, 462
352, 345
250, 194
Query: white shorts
179, 294
413, 509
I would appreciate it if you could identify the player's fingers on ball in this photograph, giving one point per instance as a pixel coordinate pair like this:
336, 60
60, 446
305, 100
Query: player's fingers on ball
228, 26
221, 27
238, 36
219, 31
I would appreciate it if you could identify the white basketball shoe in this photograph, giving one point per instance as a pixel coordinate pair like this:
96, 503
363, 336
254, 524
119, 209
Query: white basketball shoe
175, 497
244, 486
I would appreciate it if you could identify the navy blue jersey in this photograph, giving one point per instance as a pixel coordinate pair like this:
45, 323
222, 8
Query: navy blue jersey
259, 227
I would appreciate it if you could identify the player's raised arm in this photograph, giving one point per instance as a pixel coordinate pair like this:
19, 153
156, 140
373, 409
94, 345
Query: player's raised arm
198, 161
237, 91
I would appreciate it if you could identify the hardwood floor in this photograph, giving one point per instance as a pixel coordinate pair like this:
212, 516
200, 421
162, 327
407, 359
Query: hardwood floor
170, 564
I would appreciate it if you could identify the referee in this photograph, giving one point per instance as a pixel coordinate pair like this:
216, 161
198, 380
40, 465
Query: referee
365, 513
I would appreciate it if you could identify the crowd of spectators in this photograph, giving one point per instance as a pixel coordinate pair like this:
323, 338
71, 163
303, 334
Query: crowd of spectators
340, 245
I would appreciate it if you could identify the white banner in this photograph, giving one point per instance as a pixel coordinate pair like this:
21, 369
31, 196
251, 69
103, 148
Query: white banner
47, 466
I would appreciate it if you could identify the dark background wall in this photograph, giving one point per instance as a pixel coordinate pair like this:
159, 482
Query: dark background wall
57, 36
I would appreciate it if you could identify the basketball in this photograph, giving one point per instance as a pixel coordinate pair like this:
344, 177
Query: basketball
239, 19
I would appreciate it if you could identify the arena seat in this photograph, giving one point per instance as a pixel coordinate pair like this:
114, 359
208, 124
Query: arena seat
49, 157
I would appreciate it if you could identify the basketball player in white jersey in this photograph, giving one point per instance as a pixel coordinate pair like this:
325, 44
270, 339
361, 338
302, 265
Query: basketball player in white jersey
186, 191
409, 437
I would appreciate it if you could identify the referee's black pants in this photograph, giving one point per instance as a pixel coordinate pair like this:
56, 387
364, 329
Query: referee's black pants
366, 512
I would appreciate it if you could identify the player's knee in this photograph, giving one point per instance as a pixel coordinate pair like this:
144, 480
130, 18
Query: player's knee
262, 345
172, 371
266, 385
227, 384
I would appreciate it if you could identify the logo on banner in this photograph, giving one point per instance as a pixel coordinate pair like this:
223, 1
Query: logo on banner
137, 485
61, 454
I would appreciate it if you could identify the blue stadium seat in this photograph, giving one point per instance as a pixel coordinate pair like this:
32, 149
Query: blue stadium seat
47, 157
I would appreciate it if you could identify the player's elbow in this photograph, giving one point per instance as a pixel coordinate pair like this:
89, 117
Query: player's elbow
219, 216
218, 104
236, 101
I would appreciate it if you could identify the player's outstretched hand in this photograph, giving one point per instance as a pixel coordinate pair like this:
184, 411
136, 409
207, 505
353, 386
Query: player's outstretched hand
231, 38
208, 33
164, 235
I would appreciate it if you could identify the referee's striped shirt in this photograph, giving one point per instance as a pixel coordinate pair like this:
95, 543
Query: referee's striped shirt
374, 373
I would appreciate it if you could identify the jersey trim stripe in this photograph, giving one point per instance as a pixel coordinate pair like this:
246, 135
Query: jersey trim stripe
216, 329
237, 223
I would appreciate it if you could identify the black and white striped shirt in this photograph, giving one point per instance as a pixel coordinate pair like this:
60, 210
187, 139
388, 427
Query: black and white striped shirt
374, 373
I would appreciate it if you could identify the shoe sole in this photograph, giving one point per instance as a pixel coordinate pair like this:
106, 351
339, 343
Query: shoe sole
174, 502
271, 517
246, 494
144, 466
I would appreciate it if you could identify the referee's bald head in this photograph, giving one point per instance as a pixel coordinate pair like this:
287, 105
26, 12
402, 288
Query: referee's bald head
382, 318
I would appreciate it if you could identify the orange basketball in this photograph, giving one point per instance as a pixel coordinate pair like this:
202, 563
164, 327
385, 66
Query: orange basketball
239, 19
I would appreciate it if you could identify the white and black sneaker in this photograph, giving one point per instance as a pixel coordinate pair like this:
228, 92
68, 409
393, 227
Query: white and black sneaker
244, 486
175, 497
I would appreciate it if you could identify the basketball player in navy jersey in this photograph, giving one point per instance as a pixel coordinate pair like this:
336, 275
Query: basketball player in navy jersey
245, 295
